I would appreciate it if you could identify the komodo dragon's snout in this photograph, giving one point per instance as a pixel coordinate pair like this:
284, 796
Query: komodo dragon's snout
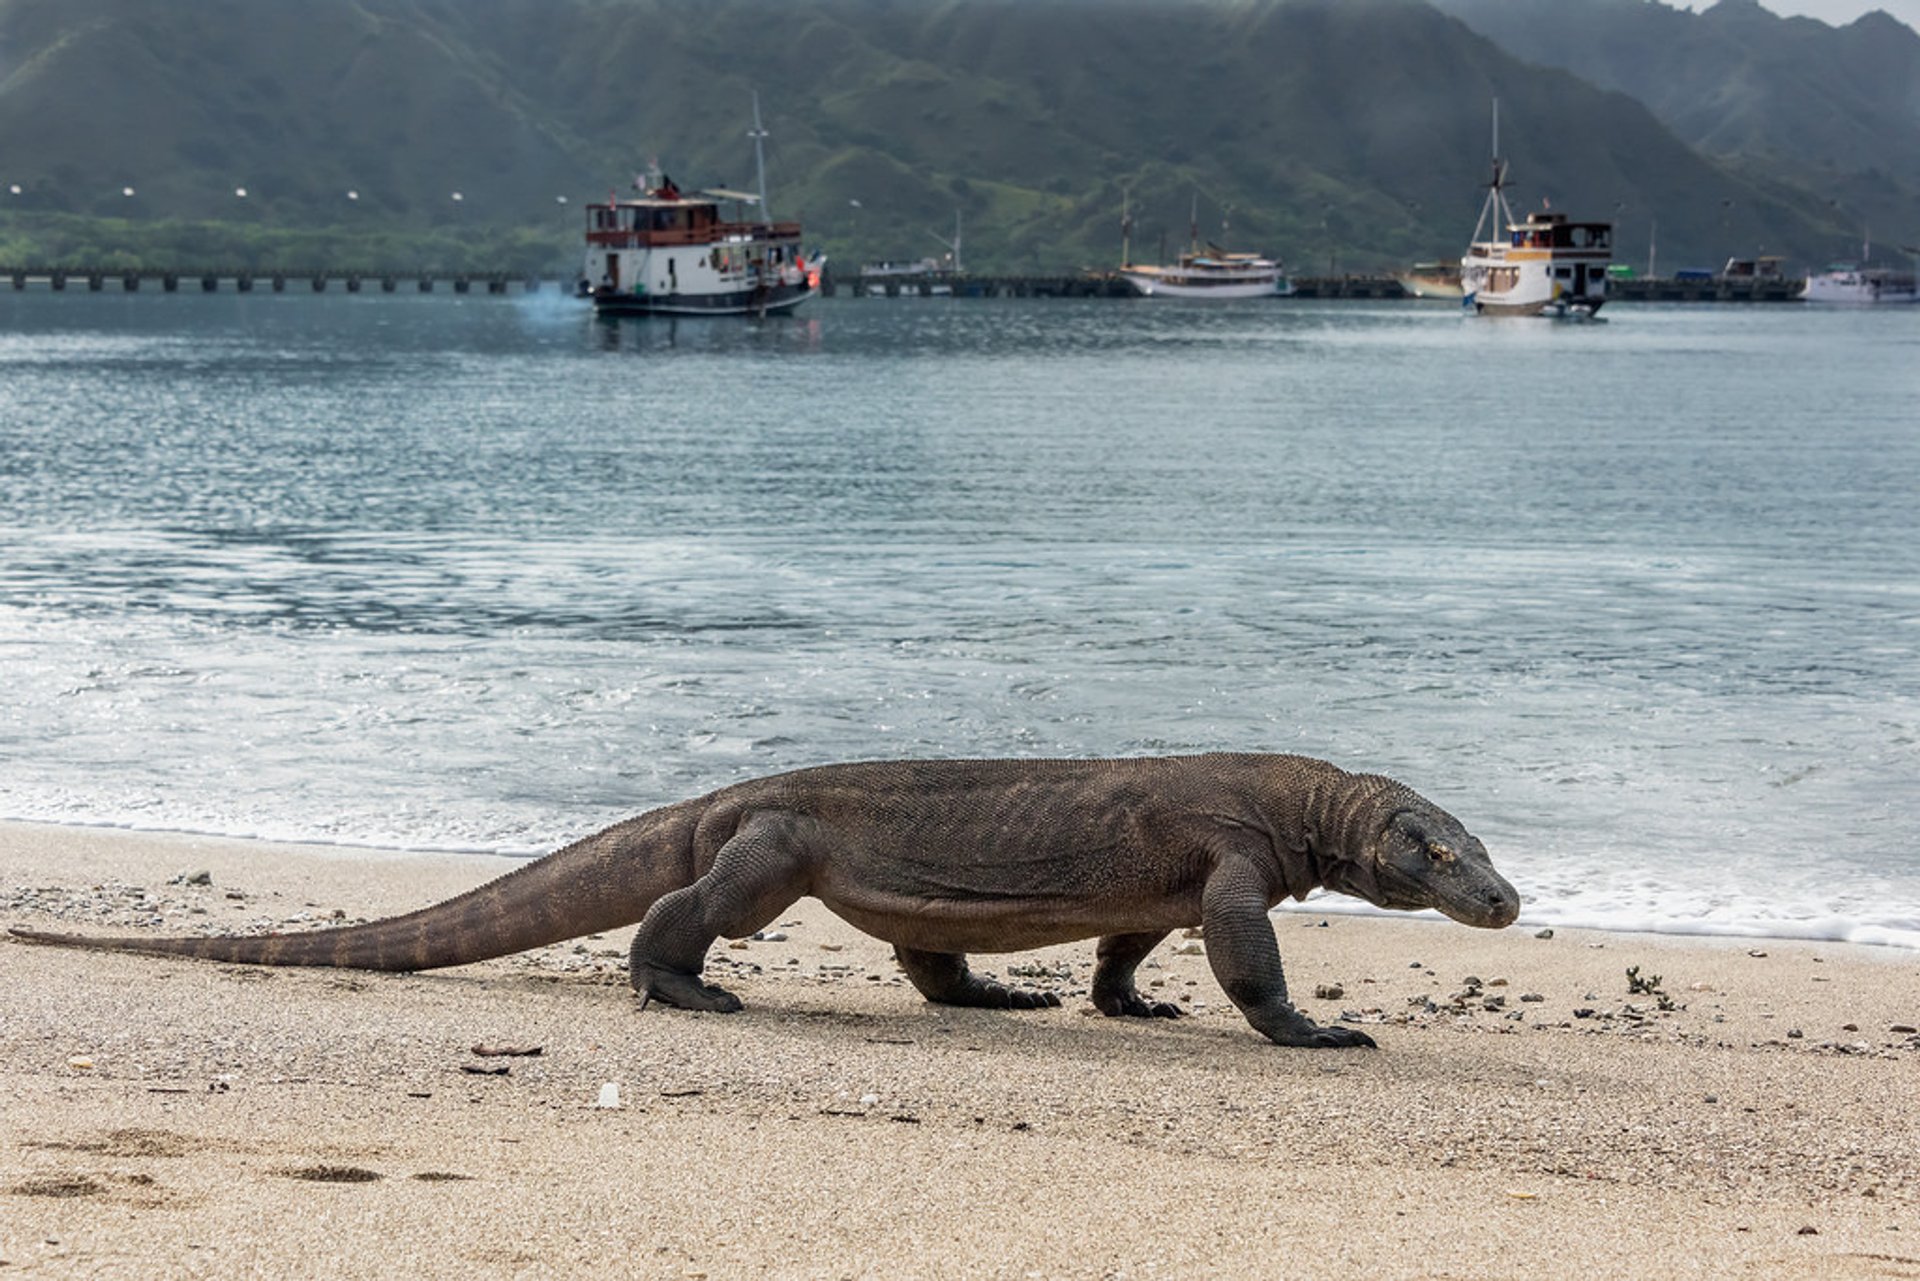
1425, 858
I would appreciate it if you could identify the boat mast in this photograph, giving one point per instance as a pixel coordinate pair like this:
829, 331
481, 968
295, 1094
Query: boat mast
1126, 226
1496, 202
759, 135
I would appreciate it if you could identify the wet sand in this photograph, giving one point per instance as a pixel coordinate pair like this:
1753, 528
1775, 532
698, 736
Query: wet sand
1758, 1114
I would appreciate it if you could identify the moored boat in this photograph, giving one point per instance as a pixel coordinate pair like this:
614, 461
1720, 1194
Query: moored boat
1858, 284
1432, 280
1546, 264
1209, 272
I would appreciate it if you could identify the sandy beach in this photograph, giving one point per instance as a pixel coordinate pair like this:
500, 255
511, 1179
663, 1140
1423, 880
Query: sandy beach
1756, 1113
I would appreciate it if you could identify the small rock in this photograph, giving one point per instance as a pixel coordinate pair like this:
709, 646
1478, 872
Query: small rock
1902, 1029
1808, 1231
609, 1095
1543, 934
1713, 1098
1194, 932
80, 1063
1532, 998
1762, 952
202, 877
1192, 947
1794, 1034
770, 936
868, 1100
1329, 992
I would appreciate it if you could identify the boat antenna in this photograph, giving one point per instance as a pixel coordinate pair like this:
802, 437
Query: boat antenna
1126, 226
759, 136
1193, 225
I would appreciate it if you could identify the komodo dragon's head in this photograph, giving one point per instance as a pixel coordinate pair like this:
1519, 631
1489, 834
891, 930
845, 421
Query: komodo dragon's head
1413, 854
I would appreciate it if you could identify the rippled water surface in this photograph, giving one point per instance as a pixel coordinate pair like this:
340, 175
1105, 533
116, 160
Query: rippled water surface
1639, 600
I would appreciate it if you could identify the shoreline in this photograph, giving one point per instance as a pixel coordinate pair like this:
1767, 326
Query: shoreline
177, 1118
1327, 905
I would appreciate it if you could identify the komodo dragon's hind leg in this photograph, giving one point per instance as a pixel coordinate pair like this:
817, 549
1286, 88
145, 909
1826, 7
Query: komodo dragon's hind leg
943, 977
756, 875
1115, 960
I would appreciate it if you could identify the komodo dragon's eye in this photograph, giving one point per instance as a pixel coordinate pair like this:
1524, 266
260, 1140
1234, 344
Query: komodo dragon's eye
1439, 853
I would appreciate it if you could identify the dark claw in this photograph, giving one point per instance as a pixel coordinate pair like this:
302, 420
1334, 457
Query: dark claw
1019, 998
1132, 1005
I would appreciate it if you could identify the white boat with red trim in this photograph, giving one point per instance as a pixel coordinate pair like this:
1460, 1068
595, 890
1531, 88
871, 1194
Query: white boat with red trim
673, 253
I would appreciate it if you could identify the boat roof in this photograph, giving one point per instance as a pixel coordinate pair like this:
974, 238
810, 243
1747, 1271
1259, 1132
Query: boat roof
706, 196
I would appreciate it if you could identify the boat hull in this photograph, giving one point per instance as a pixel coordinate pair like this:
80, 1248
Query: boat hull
1155, 287
1431, 287
1859, 289
774, 300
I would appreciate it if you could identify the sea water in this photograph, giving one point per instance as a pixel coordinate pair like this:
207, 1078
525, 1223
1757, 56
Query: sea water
1638, 600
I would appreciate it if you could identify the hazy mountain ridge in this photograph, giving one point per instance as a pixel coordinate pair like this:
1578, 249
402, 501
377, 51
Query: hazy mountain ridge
1339, 133
1782, 100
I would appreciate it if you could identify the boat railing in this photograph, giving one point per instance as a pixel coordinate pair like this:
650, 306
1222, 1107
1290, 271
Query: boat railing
651, 238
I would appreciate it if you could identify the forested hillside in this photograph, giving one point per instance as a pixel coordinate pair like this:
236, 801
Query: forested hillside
1340, 134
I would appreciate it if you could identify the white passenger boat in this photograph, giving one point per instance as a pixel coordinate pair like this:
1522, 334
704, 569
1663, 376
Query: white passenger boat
673, 253
1543, 265
1209, 272
1859, 285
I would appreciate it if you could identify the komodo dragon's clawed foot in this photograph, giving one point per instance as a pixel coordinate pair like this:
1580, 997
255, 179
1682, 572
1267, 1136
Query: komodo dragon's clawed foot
1131, 1005
998, 996
1307, 1034
682, 991
943, 977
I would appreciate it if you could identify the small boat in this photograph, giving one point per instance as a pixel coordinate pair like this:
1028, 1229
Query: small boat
1432, 280
1546, 265
1857, 284
1204, 273
672, 253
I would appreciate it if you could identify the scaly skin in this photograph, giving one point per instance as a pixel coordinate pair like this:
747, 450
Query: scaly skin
943, 858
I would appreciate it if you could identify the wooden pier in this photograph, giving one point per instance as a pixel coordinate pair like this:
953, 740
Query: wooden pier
216, 280
1082, 285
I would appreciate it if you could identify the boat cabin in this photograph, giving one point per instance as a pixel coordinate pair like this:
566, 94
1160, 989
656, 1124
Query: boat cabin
1553, 231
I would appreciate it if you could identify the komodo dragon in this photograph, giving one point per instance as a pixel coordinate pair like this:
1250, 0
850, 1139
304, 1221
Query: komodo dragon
942, 858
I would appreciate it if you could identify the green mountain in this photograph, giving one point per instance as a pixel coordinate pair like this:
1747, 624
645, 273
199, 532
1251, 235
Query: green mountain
1788, 102
1340, 134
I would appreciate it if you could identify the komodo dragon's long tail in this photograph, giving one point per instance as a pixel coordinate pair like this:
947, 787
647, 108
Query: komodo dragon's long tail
599, 883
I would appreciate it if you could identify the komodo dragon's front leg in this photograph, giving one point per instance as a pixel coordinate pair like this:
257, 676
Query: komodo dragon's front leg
759, 873
943, 977
1246, 960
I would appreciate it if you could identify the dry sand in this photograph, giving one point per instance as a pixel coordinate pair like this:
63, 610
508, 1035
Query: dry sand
173, 1118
